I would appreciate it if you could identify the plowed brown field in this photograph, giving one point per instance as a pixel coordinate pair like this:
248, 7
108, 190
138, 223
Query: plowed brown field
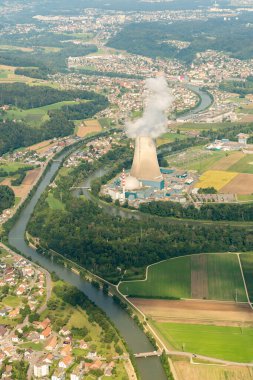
196, 312
241, 184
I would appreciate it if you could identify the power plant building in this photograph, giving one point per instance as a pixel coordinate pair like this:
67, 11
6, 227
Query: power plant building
145, 169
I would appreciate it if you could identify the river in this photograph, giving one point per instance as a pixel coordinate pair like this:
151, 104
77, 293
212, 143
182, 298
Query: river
205, 102
149, 368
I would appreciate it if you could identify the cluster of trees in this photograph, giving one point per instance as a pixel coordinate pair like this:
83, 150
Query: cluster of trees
214, 34
110, 74
81, 111
229, 132
25, 97
16, 135
7, 197
34, 72
207, 211
238, 86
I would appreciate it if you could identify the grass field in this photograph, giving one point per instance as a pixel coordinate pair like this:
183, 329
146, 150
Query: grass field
12, 167
169, 137
54, 203
244, 165
215, 178
36, 115
229, 343
170, 278
196, 158
247, 266
12, 301
178, 278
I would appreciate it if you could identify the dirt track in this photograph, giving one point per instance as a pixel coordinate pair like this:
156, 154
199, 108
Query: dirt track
198, 312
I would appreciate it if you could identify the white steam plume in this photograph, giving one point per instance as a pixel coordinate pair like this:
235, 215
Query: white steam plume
154, 121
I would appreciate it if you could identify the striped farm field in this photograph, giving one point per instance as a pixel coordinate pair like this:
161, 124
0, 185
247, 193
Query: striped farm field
204, 276
215, 178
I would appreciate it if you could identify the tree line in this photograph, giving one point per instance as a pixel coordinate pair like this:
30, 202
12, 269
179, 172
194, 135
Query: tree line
207, 211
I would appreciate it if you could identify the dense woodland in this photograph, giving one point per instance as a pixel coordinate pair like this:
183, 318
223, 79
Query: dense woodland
208, 211
7, 197
216, 34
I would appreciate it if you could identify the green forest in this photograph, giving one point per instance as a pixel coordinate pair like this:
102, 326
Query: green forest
7, 197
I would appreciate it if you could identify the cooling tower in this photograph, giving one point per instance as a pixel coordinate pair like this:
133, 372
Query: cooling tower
145, 165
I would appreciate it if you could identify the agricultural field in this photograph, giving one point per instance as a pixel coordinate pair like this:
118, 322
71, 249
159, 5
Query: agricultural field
242, 184
247, 265
196, 158
228, 343
186, 370
169, 279
244, 165
215, 178
205, 276
226, 162
196, 312
87, 127
169, 137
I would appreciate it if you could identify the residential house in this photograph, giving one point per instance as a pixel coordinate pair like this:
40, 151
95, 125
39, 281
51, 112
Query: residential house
51, 343
46, 333
64, 331
78, 372
40, 369
66, 350
59, 374
3, 331
14, 313
66, 362
109, 368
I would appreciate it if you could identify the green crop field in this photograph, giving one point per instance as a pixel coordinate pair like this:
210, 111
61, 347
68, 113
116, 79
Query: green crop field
228, 343
247, 266
244, 165
173, 279
224, 278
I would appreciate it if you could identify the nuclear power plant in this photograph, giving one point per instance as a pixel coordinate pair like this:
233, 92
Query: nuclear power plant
145, 169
